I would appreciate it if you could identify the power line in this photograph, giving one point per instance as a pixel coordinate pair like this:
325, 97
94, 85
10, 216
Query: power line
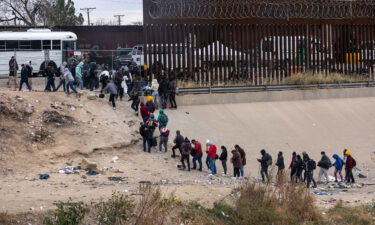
88, 10
119, 18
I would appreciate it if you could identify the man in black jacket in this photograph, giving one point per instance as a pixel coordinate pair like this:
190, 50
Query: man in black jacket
13, 68
223, 158
50, 73
178, 141
280, 164
163, 92
324, 164
309, 166
265, 161
25, 73
146, 134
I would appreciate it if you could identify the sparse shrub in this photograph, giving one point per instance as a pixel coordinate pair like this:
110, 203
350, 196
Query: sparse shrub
70, 213
346, 215
6, 219
115, 211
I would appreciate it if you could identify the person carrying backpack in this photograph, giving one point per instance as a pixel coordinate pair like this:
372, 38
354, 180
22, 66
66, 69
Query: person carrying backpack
146, 134
152, 124
164, 134
185, 153
237, 163
243, 158
145, 113
150, 104
265, 162
324, 164
178, 141
309, 166
162, 119
349, 165
280, 165
338, 164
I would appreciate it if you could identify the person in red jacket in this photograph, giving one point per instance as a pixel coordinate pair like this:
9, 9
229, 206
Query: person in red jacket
197, 154
349, 165
211, 155
145, 113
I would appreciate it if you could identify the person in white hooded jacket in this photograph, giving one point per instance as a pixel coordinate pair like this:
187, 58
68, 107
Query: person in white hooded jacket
62, 79
155, 94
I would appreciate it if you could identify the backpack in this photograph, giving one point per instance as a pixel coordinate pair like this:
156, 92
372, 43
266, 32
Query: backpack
311, 165
150, 123
269, 161
354, 162
58, 72
164, 119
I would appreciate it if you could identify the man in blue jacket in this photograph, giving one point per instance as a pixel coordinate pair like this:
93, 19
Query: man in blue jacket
338, 164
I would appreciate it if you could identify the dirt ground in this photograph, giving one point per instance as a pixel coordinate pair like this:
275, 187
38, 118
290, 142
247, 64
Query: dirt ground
31, 145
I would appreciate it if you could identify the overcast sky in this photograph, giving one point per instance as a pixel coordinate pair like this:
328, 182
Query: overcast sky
106, 9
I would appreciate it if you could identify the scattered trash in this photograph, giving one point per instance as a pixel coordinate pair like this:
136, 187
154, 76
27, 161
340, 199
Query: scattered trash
113, 170
92, 173
72, 108
115, 178
361, 175
43, 176
115, 159
92, 97
323, 193
70, 170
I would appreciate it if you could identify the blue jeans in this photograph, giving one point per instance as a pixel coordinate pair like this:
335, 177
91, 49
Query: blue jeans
92, 83
79, 82
212, 164
199, 158
62, 83
50, 83
148, 143
26, 81
71, 85
241, 171
164, 98
155, 95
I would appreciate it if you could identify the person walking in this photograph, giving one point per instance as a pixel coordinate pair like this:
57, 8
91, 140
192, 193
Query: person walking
211, 155
24, 77
237, 163
145, 113
223, 158
13, 68
30, 72
338, 164
112, 90
265, 162
152, 124
163, 92
324, 164
61, 73
198, 153
79, 79
135, 102
69, 79
119, 78
292, 166
164, 136
155, 93
309, 166
185, 154
172, 89
299, 168
243, 157
349, 165
280, 165
162, 118
50, 73
178, 141
150, 104
146, 134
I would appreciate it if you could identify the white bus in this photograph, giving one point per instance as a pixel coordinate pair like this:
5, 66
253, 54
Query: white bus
40, 46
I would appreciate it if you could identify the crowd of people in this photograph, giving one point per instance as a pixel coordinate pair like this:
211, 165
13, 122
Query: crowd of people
301, 167
84, 75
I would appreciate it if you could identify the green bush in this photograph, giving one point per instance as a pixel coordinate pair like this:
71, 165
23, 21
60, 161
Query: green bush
69, 213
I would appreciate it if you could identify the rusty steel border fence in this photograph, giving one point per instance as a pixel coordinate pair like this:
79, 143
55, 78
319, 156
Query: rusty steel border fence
258, 54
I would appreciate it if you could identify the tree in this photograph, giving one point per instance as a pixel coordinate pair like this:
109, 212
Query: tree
64, 14
26, 11
40, 12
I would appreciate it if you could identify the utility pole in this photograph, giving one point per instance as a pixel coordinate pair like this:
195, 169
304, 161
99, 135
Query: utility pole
88, 10
119, 18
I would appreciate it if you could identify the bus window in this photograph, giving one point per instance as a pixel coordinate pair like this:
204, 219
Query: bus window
11, 45
2, 45
68, 45
46, 44
25, 45
56, 45
36, 45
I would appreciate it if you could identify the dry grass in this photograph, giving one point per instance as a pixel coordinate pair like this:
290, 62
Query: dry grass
6, 219
295, 79
344, 215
